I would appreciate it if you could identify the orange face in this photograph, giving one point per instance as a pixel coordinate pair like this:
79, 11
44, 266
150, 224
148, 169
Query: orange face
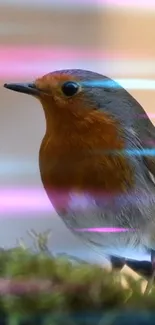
65, 99
61, 93
66, 103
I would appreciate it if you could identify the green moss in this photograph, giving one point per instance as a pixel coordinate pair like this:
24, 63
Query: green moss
38, 289
47, 290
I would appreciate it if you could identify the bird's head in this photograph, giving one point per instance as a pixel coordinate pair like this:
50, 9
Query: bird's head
82, 114
74, 97
77, 100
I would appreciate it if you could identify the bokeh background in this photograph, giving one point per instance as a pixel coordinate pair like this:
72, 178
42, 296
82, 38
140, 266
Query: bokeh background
112, 37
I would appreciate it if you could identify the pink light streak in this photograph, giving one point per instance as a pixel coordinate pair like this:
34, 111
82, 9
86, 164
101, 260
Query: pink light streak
27, 286
110, 229
15, 200
27, 61
69, 4
32, 61
37, 53
32, 200
150, 142
151, 115
131, 3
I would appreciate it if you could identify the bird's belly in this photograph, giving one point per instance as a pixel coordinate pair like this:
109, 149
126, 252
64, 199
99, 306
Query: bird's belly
82, 212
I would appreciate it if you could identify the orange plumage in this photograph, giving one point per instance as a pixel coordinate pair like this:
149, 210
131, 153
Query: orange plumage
73, 152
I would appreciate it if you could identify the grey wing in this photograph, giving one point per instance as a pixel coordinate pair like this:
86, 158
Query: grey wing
145, 131
122, 105
148, 142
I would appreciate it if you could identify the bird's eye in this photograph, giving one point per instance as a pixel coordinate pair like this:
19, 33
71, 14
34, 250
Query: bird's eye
70, 88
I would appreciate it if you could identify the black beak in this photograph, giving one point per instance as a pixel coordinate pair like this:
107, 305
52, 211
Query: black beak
25, 88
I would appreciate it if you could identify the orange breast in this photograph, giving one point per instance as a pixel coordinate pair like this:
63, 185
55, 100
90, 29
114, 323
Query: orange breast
77, 159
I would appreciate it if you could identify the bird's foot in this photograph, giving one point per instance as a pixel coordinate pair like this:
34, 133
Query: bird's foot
117, 263
152, 278
150, 284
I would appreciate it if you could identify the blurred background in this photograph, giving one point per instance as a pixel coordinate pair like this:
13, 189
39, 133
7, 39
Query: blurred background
112, 37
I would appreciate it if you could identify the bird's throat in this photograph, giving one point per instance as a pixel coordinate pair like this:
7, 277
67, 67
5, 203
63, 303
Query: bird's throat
84, 159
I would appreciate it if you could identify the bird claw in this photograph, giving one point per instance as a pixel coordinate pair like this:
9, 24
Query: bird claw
152, 278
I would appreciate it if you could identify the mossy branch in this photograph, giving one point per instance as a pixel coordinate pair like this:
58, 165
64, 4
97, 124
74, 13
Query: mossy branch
39, 289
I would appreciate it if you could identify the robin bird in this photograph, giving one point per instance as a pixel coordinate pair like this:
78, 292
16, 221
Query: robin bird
94, 160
